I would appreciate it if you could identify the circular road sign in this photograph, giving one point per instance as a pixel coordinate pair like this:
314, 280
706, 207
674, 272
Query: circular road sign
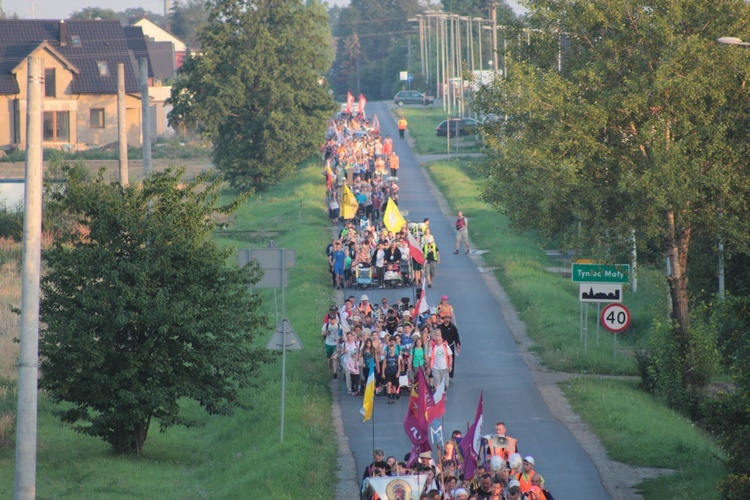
615, 318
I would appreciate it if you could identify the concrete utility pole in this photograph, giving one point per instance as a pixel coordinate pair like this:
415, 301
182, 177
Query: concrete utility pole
122, 132
28, 361
145, 118
493, 13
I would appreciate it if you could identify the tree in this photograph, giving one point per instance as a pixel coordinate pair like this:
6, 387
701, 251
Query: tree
187, 18
381, 29
255, 88
644, 130
125, 17
94, 13
142, 309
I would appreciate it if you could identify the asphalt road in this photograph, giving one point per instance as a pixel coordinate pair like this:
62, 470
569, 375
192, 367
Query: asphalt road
489, 360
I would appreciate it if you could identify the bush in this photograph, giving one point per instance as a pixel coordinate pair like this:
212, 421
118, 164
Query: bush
8, 404
11, 223
664, 365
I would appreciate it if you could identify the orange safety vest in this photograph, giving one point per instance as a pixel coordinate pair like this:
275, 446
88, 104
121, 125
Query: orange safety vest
394, 162
525, 480
445, 310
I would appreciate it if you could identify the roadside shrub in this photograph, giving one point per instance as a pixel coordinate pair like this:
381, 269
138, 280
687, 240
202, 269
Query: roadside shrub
11, 223
727, 414
8, 404
664, 365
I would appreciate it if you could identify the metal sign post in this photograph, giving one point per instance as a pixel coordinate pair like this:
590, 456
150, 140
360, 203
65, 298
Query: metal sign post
275, 263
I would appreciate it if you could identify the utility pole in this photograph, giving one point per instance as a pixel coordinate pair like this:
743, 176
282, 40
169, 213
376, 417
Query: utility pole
493, 14
145, 118
122, 132
28, 361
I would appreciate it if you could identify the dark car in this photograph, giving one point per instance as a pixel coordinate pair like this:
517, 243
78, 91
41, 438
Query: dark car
458, 126
412, 97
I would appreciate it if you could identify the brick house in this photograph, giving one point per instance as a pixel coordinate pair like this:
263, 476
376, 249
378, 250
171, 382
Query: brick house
80, 87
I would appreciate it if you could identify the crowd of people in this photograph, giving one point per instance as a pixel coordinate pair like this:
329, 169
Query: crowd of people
394, 341
504, 476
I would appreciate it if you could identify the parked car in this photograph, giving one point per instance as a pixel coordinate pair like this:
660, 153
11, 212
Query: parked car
458, 126
412, 97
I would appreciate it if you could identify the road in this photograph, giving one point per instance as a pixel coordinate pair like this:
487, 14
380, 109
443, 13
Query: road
489, 360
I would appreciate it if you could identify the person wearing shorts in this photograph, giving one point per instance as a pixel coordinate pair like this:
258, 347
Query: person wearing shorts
391, 369
462, 232
332, 333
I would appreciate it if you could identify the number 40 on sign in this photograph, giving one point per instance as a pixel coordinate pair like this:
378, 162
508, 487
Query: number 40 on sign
615, 318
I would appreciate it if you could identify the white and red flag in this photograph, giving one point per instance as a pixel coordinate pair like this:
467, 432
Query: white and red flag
362, 102
414, 250
422, 306
349, 102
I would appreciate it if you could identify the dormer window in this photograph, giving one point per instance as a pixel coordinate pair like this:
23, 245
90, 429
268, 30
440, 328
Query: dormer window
75, 41
102, 68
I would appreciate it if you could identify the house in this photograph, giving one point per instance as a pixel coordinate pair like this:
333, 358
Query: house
161, 68
157, 34
80, 82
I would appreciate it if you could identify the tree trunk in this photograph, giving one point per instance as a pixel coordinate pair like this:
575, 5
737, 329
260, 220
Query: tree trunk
677, 243
140, 434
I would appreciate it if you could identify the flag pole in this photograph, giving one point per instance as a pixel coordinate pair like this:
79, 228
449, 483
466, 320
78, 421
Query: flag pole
373, 423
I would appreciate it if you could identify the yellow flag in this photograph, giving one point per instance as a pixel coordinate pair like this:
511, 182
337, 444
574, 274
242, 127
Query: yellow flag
348, 204
369, 401
392, 217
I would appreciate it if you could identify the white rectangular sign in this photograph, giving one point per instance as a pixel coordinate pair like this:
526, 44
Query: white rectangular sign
600, 292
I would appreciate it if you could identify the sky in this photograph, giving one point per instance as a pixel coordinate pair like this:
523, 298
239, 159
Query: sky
61, 9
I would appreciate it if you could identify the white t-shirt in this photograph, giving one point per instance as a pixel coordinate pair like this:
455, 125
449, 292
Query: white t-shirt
333, 332
441, 357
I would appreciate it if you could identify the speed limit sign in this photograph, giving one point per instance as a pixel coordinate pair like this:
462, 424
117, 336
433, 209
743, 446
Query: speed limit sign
615, 318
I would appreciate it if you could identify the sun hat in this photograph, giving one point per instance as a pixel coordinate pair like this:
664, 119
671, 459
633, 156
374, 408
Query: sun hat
529, 459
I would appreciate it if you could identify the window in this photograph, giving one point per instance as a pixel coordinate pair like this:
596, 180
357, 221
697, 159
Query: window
56, 126
50, 85
75, 40
102, 67
96, 118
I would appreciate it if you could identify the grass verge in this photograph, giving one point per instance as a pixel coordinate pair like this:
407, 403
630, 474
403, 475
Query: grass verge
638, 430
422, 124
239, 456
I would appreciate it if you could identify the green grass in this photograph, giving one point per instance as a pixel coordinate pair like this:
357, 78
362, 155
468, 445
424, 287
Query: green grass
547, 302
422, 123
239, 456
637, 430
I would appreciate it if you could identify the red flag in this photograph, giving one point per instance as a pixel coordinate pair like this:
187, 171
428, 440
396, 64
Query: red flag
414, 250
362, 102
415, 421
349, 102
471, 443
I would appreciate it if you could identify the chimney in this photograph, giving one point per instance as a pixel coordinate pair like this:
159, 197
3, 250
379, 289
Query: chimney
63, 34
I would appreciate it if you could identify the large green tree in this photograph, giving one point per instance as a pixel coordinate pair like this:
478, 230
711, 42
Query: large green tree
256, 89
142, 309
644, 130
187, 18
